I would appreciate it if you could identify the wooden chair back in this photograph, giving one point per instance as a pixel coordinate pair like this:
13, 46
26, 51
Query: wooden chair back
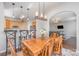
58, 45
54, 34
12, 49
47, 50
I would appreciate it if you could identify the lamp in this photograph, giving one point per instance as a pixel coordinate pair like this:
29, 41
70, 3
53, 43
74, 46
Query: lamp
41, 15
36, 14
28, 14
13, 10
22, 16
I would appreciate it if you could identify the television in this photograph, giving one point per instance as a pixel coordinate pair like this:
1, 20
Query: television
60, 27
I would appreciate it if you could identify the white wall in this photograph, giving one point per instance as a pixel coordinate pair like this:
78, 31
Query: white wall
69, 28
2, 37
53, 26
8, 12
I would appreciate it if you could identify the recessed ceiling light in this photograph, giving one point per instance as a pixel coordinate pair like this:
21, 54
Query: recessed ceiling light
21, 6
27, 8
13, 3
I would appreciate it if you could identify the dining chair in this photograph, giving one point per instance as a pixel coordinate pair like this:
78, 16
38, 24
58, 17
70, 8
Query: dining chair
10, 35
54, 35
23, 36
51, 44
47, 50
13, 50
58, 45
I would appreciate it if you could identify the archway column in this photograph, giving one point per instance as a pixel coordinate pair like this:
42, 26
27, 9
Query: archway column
77, 32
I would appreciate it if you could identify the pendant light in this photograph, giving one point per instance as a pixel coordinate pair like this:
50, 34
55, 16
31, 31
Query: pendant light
13, 4
41, 14
28, 14
44, 11
22, 16
37, 14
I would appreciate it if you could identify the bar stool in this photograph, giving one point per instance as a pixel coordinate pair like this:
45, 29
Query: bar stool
10, 35
23, 36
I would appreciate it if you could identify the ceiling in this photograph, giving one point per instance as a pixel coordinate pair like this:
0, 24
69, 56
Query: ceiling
63, 16
8, 5
33, 6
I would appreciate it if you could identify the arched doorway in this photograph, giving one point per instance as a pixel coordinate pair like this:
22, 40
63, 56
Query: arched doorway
64, 23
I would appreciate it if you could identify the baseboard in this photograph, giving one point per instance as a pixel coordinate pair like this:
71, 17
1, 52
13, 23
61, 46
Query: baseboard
3, 53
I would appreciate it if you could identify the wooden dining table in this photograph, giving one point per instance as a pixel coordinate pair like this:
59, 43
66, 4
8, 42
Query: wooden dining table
35, 45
